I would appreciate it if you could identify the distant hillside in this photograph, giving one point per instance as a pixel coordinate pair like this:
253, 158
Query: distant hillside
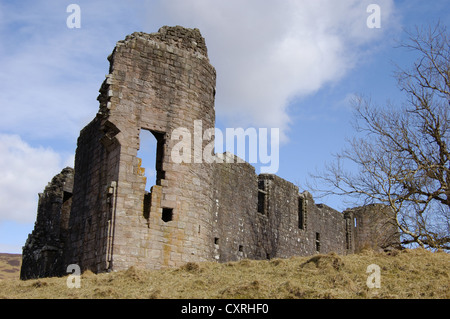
407, 274
10, 266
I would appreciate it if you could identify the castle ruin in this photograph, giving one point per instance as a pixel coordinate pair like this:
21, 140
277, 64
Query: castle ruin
100, 216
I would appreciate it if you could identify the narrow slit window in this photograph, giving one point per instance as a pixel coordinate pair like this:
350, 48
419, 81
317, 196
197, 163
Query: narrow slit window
317, 242
347, 240
261, 198
161, 141
147, 204
301, 213
261, 202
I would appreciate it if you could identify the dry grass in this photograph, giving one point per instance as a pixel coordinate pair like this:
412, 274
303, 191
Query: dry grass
10, 266
407, 274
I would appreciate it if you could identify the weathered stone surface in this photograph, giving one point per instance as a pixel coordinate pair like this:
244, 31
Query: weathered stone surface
196, 211
372, 227
42, 254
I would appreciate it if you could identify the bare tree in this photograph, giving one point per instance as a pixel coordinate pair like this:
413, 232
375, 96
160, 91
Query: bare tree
402, 154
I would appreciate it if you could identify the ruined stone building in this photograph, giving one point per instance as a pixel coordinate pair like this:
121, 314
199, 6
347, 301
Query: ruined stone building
99, 215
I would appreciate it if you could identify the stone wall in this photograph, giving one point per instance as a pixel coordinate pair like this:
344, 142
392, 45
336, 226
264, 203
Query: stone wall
264, 216
96, 170
234, 213
42, 254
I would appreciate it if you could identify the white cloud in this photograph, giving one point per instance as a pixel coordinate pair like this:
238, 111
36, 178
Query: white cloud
268, 53
24, 172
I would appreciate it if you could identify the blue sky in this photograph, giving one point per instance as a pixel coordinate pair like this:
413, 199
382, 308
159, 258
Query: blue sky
291, 64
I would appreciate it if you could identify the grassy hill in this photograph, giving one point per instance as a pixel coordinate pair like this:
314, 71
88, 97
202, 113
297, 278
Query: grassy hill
407, 274
10, 266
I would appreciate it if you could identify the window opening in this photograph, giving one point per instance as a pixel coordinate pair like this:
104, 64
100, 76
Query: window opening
167, 214
151, 152
318, 242
261, 198
147, 204
147, 153
161, 141
66, 196
301, 213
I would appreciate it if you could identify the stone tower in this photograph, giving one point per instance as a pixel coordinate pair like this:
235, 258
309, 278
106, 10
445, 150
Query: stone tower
157, 82
372, 226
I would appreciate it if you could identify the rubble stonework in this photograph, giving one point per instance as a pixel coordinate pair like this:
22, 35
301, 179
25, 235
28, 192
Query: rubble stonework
42, 254
195, 211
